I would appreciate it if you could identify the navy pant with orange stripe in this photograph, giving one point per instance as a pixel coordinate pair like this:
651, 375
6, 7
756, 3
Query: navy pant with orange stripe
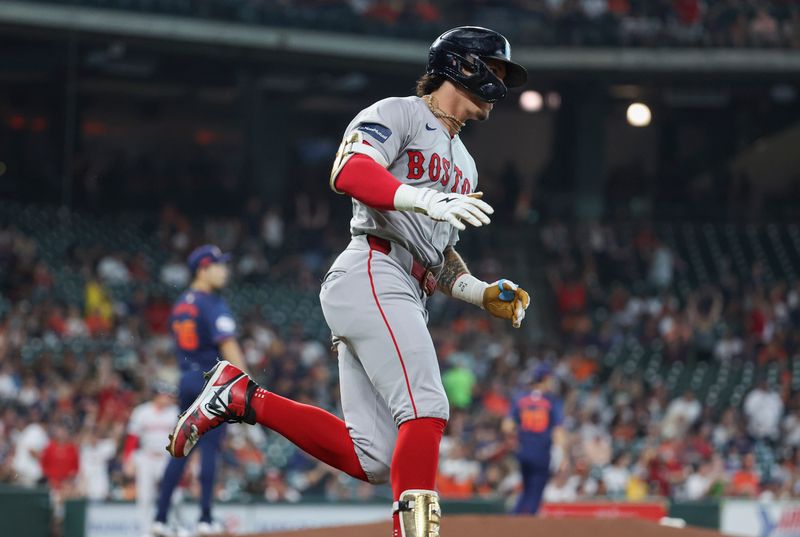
388, 369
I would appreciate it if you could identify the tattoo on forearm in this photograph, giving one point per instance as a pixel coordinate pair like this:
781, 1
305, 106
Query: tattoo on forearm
453, 267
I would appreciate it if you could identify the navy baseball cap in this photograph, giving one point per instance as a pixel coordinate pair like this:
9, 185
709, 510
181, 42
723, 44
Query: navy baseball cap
541, 372
205, 255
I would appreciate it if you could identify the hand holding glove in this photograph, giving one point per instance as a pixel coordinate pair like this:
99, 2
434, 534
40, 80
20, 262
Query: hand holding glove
506, 300
503, 299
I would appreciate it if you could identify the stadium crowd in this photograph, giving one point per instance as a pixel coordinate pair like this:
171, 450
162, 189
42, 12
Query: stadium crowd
65, 400
738, 23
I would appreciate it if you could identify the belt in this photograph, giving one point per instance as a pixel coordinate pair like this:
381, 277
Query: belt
427, 280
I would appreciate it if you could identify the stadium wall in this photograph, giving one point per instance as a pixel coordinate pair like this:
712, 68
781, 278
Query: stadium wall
24, 512
397, 52
27, 513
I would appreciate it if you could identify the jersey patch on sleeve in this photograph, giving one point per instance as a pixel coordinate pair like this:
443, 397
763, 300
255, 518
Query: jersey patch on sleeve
226, 324
376, 130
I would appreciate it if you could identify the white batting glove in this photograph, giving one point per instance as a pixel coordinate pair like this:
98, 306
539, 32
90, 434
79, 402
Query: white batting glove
444, 207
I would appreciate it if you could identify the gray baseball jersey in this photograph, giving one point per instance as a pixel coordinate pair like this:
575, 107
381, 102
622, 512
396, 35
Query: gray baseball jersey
420, 153
388, 370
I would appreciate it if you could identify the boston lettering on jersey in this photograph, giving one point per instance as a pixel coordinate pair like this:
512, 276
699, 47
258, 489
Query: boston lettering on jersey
438, 171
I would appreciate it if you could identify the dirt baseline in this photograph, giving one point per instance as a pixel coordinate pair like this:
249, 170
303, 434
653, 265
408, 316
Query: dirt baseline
506, 526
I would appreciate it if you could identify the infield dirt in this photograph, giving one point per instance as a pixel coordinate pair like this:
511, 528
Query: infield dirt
506, 526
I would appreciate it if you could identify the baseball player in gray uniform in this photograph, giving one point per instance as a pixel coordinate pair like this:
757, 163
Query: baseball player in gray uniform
413, 187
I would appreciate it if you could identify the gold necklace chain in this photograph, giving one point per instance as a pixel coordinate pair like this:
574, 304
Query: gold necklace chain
455, 123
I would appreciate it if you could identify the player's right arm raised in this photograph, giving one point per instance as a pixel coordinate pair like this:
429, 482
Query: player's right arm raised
360, 172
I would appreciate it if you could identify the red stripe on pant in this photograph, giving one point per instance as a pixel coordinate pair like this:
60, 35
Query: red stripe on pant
391, 332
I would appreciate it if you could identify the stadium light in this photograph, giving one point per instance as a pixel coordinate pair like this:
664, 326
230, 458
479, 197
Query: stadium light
639, 115
531, 101
553, 100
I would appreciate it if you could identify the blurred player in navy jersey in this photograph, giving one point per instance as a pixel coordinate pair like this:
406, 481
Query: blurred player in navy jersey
536, 417
204, 331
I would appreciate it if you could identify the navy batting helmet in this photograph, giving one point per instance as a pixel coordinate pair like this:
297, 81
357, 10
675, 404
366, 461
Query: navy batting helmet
459, 55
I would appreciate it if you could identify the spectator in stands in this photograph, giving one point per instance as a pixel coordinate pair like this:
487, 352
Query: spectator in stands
458, 473
60, 460
764, 28
459, 381
728, 346
96, 453
774, 351
597, 450
745, 480
277, 490
681, 414
8, 383
112, 269
616, 476
30, 443
174, 273
699, 482
74, 325
273, 228
562, 488
98, 307
661, 267
763, 408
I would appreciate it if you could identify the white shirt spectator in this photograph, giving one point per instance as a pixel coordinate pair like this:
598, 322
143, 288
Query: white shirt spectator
175, 274
312, 353
75, 326
562, 489
721, 434
29, 445
111, 269
615, 479
728, 347
29, 393
763, 409
93, 476
8, 386
661, 267
697, 486
680, 416
460, 470
272, 229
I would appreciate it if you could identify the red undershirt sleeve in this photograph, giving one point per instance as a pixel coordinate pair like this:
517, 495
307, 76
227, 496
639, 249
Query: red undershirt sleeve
131, 443
367, 181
